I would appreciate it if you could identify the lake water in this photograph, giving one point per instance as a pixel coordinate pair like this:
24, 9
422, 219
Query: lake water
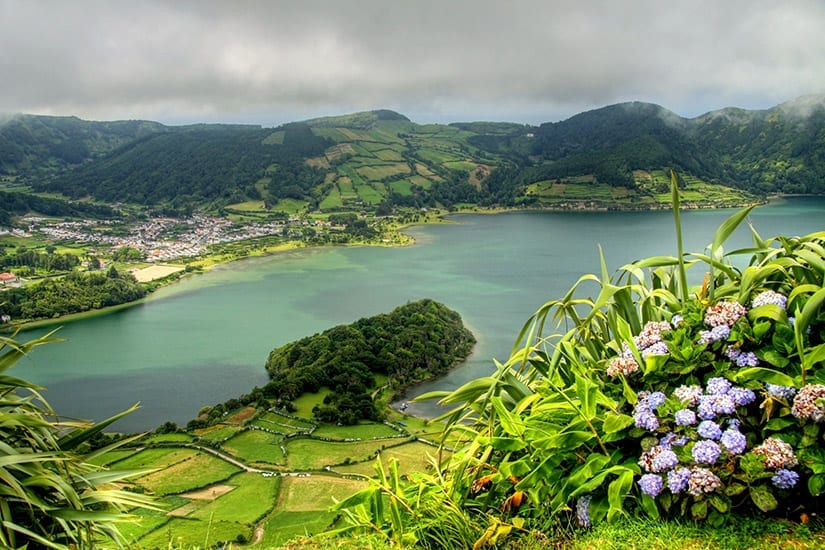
206, 339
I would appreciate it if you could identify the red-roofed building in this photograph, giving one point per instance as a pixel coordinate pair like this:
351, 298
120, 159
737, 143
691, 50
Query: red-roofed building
8, 278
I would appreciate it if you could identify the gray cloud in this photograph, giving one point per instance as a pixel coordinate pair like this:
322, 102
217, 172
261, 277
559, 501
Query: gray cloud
273, 61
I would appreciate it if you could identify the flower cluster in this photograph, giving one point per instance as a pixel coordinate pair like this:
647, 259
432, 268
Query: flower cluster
705, 434
778, 454
644, 413
770, 297
724, 313
648, 342
810, 403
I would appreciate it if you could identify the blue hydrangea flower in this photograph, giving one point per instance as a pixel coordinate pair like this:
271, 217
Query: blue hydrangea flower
742, 396
709, 429
733, 441
718, 386
583, 511
655, 399
769, 297
685, 417
706, 452
677, 479
710, 406
676, 320
785, 479
646, 419
651, 484
663, 461
782, 392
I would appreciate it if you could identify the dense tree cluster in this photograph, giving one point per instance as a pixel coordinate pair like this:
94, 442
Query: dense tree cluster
17, 204
74, 293
412, 343
32, 258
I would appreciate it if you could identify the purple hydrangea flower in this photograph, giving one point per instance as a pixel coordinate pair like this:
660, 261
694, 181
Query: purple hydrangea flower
659, 348
782, 392
742, 358
785, 479
685, 417
716, 334
742, 396
706, 452
677, 479
663, 461
651, 484
733, 441
718, 386
769, 297
709, 429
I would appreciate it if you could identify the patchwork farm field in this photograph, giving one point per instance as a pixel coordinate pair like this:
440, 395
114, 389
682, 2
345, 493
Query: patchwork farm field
241, 489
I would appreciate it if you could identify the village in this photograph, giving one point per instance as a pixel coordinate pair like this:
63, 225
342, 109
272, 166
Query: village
161, 239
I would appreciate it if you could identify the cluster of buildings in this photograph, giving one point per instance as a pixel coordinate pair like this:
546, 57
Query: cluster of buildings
159, 239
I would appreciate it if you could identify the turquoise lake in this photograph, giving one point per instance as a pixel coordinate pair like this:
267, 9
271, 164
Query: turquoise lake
206, 339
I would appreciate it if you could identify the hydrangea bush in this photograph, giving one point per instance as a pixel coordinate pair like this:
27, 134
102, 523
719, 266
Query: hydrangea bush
654, 396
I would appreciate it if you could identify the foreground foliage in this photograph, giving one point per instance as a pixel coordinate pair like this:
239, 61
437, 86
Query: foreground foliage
652, 397
50, 494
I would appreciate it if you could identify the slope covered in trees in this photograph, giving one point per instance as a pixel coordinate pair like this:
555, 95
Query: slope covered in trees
379, 160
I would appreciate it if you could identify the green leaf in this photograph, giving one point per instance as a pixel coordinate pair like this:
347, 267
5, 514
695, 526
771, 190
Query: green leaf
774, 358
763, 498
719, 502
649, 506
512, 424
699, 510
728, 227
816, 484
616, 422
735, 489
763, 375
616, 492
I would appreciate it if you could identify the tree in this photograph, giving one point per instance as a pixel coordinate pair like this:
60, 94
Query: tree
52, 496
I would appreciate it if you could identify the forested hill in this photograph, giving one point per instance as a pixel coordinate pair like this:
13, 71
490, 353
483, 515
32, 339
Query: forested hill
379, 160
412, 343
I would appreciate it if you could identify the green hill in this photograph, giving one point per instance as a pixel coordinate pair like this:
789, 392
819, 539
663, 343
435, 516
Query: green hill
377, 161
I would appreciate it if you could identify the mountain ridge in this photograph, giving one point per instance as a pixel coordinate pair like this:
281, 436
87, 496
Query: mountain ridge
375, 158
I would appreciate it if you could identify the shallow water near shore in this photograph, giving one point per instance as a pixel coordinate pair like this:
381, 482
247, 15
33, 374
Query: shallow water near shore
206, 339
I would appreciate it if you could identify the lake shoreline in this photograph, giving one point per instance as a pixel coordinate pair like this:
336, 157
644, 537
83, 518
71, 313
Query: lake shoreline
438, 218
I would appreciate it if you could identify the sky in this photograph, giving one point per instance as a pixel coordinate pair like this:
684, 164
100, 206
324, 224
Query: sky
528, 61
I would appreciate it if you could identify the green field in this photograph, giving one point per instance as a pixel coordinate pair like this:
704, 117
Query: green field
252, 498
155, 458
364, 430
283, 424
312, 454
256, 446
402, 187
411, 457
194, 472
369, 194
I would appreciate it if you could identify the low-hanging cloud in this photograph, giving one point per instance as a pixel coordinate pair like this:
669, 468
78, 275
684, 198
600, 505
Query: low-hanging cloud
531, 61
